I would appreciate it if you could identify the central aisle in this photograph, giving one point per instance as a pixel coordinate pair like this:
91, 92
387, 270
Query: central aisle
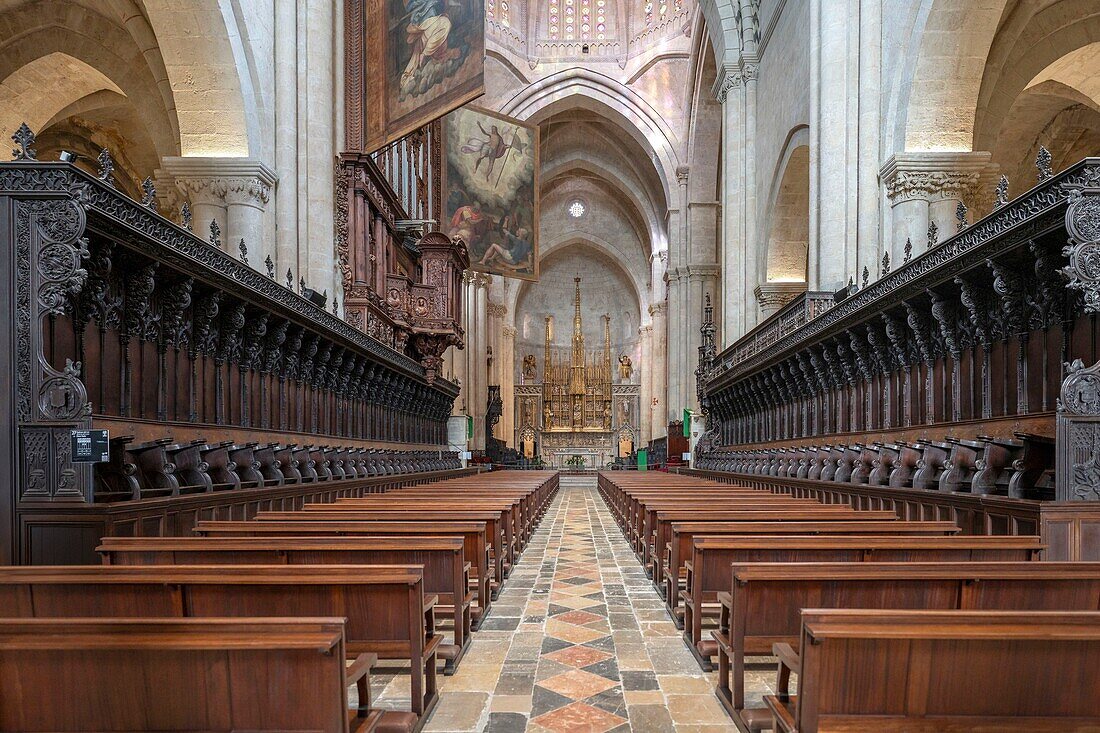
579, 641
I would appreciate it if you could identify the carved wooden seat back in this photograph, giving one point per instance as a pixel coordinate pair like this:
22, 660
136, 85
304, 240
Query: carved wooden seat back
156, 474
247, 467
117, 480
288, 464
219, 466
191, 469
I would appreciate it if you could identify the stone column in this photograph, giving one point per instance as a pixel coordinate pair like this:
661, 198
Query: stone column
495, 313
702, 279
646, 368
231, 191
286, 139
659, 370
245, 200
926, 188
462, 358
479, 394
677, 285
507, 362
730, 92
834, 153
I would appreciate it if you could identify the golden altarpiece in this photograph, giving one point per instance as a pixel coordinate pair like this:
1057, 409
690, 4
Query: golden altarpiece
584, 408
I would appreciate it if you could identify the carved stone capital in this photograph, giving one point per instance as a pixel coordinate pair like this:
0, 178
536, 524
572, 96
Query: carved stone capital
234, 180
729, 78
509, 332
247, 190
496, 310
774, 295
934, 176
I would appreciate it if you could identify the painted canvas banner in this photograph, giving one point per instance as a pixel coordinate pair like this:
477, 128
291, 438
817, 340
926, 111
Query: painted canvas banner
490, 184
420, 60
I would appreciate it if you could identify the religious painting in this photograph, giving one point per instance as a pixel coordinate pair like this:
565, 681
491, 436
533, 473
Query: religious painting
423, 58
490, 183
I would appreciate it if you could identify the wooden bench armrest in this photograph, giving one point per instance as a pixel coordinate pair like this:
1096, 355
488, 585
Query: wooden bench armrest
784, 721
788, 663
430, 601
358, 674
725, 598
725, 602
786, 654
361, 666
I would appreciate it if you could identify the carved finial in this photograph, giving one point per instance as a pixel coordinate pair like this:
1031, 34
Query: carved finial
185, 216
1043, 162
851, 282
149, 194
215, 234
243, 250
885, 264
324, 298
866, 276
301, 286
908, 250
335, 308
1001, 193
106, 167
960, 217
289, 279
24, 141
270, 267
933, 234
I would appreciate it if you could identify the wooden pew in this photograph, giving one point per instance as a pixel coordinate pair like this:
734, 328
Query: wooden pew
475, 545
932, 671
765, 601
708, 571
177, 675
446, 573
499, 529
386, 611
659, 525
679, 548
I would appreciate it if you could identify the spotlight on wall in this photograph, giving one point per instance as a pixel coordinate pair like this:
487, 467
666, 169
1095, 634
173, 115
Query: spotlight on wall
67, 157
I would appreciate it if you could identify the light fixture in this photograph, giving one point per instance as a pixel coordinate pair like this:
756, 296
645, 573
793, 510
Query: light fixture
67, 157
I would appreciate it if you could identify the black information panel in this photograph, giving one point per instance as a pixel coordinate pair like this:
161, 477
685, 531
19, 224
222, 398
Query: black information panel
90, 446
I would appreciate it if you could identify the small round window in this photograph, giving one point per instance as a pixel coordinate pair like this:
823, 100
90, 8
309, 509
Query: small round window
577, 209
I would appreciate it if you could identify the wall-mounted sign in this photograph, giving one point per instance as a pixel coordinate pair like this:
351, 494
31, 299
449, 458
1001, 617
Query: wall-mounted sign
90, 446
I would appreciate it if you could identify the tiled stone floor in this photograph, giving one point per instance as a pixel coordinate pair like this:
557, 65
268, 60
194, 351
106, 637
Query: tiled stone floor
579, 641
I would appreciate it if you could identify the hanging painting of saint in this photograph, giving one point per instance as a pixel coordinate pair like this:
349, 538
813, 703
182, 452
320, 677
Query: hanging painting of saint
491, 188
423, 58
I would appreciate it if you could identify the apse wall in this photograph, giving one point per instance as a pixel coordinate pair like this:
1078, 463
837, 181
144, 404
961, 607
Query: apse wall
605, 288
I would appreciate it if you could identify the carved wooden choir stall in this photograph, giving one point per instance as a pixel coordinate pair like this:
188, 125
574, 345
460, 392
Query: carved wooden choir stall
945, 389
214, 378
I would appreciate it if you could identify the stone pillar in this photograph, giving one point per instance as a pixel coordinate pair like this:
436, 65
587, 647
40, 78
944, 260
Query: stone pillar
834, 153
231, 191
479, 394
730, 92
286, 140
702, 281
926, 188
659, 370
462, 358
677, 286
245, 200
507, 362
648, 363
